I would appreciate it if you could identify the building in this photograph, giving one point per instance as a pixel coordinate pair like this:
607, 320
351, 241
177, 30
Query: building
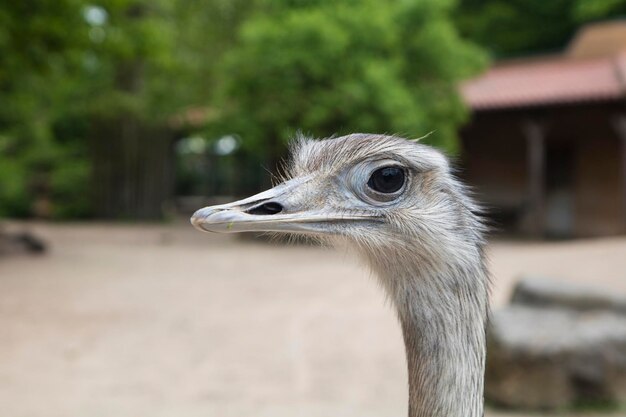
546, 144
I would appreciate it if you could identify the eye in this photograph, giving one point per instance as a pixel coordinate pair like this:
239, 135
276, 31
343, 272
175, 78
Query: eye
387, 180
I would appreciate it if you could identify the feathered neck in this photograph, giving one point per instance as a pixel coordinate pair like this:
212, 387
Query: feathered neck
442, 307
444, 338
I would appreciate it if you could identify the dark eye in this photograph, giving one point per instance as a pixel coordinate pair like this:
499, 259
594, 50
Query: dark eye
387, 180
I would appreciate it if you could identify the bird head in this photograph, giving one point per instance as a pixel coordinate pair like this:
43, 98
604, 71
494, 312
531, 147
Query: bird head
396, 202
374, 190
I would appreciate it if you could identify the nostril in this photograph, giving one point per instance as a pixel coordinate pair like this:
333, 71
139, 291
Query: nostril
266, 208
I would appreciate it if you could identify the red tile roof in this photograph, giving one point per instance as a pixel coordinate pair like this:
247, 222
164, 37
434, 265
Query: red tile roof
548, 81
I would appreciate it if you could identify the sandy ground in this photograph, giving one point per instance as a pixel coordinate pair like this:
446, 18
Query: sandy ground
160, 320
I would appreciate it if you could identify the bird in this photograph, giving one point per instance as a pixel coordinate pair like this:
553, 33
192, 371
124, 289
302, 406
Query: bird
399, 205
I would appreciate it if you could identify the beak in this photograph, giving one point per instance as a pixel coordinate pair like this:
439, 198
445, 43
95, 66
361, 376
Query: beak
280, 209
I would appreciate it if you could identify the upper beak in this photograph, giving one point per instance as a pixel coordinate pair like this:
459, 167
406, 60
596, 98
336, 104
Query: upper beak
279, 209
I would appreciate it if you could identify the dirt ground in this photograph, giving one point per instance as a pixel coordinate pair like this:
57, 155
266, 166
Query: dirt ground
161, 320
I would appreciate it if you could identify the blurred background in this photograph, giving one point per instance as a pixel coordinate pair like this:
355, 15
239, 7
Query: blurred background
119, 118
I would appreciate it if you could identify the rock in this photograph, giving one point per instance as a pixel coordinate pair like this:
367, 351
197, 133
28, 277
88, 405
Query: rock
11, 243
546, 358
541, 292
30, 242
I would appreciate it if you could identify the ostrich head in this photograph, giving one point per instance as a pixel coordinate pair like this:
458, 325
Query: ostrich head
397, 203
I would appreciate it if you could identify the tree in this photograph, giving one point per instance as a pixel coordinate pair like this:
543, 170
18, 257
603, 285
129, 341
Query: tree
87, 94
156, 61
39, 44
518, 27
345, 66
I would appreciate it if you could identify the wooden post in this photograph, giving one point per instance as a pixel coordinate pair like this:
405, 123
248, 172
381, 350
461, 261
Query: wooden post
620, 128
535, 138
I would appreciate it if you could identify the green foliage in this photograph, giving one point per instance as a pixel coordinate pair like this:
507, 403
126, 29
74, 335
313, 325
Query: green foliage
14, 198
38, 46
586, 10
69, 183
88, 89
345, 66
517, 27
69, 66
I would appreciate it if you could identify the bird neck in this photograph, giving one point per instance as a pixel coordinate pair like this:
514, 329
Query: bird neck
443, 317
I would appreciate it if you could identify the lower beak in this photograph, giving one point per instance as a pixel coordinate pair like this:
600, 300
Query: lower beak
272, 211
